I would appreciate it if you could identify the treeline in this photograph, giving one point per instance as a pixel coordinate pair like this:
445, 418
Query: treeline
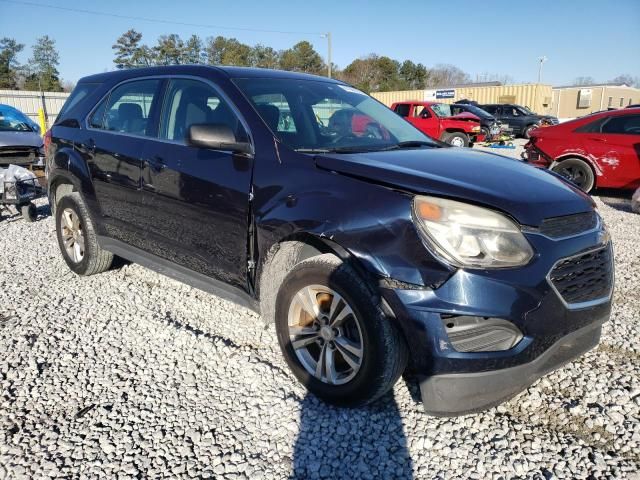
39, 73
370, 73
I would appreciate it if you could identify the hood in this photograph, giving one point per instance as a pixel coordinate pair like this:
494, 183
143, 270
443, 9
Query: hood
523, 191
465, 116
20, 139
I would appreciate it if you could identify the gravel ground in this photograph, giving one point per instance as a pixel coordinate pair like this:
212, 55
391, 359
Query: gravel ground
131, 373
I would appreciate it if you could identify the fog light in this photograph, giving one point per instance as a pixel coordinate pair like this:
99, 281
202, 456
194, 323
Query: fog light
481, 334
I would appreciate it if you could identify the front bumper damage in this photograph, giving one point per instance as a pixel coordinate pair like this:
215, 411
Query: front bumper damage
551, 330
460, 393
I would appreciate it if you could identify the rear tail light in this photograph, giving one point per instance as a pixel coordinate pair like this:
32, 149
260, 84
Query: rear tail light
47, 142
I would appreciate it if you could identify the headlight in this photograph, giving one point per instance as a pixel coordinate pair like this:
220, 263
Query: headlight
469, 236
475, 129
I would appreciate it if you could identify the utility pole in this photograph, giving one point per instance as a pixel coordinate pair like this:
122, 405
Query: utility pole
541, 60
328, 37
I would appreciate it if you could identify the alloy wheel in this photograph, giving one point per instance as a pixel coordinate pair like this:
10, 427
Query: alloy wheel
574, 173
325, 334
72, 235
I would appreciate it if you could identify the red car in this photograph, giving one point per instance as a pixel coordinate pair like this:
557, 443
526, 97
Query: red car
437, 121
600, 150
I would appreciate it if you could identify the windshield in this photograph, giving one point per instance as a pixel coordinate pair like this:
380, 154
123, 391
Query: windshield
527, 110
317, 116
12, 120
442, 110
477, 111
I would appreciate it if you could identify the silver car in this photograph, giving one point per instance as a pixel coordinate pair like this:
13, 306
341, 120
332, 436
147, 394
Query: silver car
20, 140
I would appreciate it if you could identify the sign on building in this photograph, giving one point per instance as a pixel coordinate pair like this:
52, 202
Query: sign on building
450, 93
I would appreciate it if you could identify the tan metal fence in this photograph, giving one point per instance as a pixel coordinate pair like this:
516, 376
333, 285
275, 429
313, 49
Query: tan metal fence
29, 102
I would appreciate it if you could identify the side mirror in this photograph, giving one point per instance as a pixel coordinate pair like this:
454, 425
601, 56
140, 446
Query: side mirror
217, 137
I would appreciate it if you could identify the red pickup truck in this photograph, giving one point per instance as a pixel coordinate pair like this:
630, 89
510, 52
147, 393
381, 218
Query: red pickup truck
436, 120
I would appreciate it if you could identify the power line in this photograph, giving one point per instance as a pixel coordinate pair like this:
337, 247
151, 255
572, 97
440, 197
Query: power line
155, 20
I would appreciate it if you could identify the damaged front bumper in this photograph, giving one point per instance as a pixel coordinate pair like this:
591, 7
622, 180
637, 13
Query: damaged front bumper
483, 336
462, 393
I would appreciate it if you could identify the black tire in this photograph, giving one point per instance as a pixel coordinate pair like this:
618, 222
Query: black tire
384, 355
29, 212
95, 259
455, 137
577, 171
526, 133
485, 131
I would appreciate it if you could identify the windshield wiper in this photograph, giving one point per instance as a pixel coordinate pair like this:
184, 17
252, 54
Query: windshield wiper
410, 144
312, 150
337, 150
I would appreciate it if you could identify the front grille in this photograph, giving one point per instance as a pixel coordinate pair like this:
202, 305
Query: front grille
568, 225
585, 277
18, 155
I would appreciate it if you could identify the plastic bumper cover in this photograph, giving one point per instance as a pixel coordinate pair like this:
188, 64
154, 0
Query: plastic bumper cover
460, 393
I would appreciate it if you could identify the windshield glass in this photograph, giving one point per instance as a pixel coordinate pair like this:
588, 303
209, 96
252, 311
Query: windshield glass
527, 111
12, 120
309, 115
442, 109
477, 111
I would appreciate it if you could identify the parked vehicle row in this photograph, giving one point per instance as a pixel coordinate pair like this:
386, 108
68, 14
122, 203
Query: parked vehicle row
373, 248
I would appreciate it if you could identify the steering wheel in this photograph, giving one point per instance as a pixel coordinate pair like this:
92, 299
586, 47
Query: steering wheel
373, 131
347, 136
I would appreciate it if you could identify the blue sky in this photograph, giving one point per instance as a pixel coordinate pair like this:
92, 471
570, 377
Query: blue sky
600, 39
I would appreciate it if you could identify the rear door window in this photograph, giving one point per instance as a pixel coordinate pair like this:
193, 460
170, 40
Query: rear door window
622, 124
128, 108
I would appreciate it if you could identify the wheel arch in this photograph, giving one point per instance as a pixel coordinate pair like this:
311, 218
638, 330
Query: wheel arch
288, 252
566, 156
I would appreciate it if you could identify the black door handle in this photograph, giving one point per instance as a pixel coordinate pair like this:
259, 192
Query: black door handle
155, 163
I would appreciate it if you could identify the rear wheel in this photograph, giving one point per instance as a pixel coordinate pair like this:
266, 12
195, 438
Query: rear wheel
77, 239
578, 171
334, 335
29, 212
456, 139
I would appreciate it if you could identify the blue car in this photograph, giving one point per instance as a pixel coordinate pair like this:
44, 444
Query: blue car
20, 140
374, 251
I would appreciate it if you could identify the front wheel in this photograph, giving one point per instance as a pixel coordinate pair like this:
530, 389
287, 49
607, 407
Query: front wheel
334, 335
29, 212
578, 171
456, 139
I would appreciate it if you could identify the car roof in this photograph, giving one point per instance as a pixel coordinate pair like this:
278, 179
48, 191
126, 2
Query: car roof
228, 71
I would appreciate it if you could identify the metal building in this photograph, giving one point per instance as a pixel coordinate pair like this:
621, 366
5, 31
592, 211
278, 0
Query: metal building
577, 101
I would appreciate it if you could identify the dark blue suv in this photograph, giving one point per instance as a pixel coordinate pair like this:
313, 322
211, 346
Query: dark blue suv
374, 249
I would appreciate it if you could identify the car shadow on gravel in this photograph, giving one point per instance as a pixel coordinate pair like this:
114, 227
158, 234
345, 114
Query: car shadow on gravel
340, 443
616, 200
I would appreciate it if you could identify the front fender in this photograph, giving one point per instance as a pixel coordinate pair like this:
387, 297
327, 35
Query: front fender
370, 222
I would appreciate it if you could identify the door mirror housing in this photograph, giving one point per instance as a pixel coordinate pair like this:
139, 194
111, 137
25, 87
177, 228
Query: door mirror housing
217, 137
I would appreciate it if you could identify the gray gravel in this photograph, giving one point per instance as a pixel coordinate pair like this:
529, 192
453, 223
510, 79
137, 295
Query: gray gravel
131, 373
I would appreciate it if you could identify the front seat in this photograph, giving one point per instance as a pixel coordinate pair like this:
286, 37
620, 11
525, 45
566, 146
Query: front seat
130, 118
270, 114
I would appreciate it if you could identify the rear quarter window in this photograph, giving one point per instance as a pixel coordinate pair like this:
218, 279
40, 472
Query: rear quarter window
82, 91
